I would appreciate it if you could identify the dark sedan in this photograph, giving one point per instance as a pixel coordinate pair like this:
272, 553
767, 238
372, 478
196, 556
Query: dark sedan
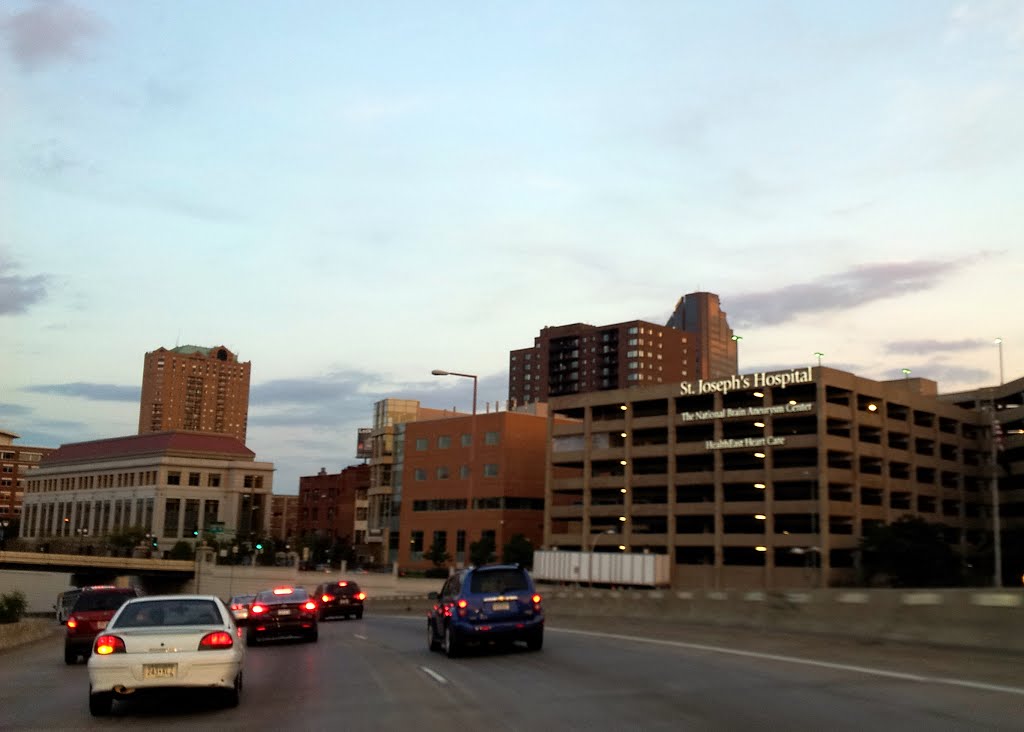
342, 598
282, 611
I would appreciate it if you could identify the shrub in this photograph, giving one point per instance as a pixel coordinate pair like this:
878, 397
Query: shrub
12, 606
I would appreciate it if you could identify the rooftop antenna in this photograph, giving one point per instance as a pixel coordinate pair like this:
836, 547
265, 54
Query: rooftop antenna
177, 341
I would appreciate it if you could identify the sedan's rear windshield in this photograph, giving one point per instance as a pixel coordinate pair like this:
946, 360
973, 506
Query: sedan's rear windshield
299, 593
157, 613
348, 587
498, 580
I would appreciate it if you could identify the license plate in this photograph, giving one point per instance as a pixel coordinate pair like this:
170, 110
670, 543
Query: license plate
343, 601
159, 670
284, 611
101, 624
499, 606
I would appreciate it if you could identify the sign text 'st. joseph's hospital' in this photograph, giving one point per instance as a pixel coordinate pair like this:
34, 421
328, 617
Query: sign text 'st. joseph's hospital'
757, 380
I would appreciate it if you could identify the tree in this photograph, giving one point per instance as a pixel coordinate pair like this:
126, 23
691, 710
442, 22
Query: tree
181, 550
437, 554
482, 552
518, 550
910, 553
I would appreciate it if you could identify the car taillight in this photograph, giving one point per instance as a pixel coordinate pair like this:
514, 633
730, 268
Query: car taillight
536, 599
107, 644
215, 641
257, 609
310, 605
360, 595
72, 623
326, 598
462, 604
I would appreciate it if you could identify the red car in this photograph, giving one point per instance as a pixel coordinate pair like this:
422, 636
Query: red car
89, 616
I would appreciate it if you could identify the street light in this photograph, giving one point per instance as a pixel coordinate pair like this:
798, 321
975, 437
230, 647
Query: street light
906, 374
999, 342
819, 354
472, 445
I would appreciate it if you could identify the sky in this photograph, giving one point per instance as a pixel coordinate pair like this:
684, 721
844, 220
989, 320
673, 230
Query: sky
349, 195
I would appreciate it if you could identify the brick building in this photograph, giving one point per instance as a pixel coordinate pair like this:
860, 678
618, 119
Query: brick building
16, 461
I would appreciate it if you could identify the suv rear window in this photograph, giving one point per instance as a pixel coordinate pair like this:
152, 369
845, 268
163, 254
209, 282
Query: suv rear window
347, 587
498, 580
102, 600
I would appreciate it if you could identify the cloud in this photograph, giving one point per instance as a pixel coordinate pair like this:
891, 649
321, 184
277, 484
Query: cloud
931, 346
48, 33
18, 293
93, 392
843, 290
13, 410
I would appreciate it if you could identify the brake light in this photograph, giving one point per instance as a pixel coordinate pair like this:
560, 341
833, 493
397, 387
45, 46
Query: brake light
343, 584
107, 644
72, 622
326, 598
310, 605
216, 641
283, 590
360, 595
462, 604
536, 599
257, 609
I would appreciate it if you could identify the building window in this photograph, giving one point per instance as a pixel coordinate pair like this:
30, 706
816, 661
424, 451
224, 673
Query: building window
444, 441
193, 479
491, 438
442, 472
419, 474
174, 478
421, 443
416, 542
172, 507
490, 470
463, 471
213, 480
466, 440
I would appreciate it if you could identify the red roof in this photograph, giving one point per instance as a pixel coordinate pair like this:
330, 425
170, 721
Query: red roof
150, 443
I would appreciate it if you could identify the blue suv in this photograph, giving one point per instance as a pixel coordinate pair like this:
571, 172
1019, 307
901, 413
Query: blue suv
491, 603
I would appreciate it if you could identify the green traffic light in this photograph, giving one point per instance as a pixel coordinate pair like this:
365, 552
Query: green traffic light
260, 547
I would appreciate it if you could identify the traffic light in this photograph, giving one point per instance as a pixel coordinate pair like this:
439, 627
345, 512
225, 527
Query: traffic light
259, 547
155, 543
195, 532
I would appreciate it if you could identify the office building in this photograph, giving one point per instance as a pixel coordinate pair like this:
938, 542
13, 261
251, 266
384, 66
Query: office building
696, 343
712, 340
171, 486
332, 506
16, 461
763, 480
467, 478
284, 517
194, 389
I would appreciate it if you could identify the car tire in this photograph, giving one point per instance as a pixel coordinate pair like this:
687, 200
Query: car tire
451, 645
232, 695
359, 614
535, 641
433, 642
101, 703
312, 636
70, 656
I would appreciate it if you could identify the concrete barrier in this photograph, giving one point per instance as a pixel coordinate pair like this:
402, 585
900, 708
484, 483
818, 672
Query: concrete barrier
992, 620
27, 630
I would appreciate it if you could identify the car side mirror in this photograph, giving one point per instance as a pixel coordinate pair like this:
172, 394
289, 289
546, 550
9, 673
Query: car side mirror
433, 595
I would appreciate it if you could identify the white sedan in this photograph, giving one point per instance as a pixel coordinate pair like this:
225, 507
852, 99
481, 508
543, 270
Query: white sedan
166, 642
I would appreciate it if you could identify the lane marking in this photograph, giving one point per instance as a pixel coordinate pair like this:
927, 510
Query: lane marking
360, 637
434, 675
808, 662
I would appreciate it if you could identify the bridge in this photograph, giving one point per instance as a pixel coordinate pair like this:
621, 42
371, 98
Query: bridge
88, 569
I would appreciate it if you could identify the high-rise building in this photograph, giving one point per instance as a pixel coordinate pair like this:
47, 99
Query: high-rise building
15, 463
714, 347
696, 343
581, 358
194, 389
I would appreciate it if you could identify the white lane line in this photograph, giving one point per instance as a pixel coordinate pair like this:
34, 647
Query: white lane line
434, 675
360, 637
808, 662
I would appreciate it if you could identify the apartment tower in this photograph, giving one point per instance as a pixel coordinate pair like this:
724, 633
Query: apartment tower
194, 389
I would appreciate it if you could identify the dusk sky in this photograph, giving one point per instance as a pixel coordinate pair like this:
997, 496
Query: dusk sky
349, 195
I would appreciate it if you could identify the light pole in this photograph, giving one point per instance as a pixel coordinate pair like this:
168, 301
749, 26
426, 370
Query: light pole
593, 543
820, 355
472, 448
999, 342
906, 374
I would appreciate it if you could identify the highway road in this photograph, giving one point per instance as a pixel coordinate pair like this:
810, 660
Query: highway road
377, 674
